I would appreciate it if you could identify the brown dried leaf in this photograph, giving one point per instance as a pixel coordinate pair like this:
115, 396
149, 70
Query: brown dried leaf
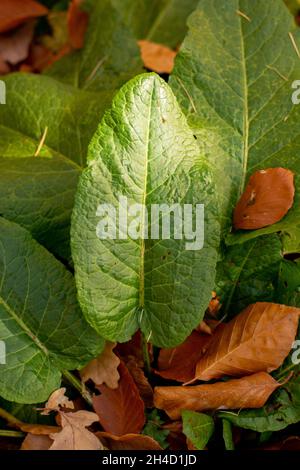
56, 401
74, 435
157, 57
120, 411
180, 363
258, 339
38, 429
14, 47
266, 200
132, 348
248, 392
103, 369
128, 442
141, 381
77, 24
36, 442
15, 12
290, 443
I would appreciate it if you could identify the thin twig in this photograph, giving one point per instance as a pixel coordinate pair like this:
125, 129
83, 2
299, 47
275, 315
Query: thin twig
73, 380
294, 44
42, 141
11, 420
6, 433
243, 15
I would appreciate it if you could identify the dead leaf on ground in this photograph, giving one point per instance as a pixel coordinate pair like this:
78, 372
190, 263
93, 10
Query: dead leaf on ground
180, 363
141, 381
128, 442
16, 12
103, 369
132, 348
258, 339
56, 401
214, 305
120, 411
36, 442
290, 443
38, 429
74, 435
267, 198
157, 57
77, 24
248, 392
14, 47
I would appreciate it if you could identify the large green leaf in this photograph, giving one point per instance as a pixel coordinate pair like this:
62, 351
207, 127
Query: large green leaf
40, 321
67, 117
233, 79
248, 273
38, 193
143, 150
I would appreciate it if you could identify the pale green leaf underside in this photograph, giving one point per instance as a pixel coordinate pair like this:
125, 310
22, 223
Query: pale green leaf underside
40, 320
233, 79
144, 150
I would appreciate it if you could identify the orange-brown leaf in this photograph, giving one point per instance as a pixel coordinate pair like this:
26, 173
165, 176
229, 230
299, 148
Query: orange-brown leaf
128, 442
103, 369
141, 381
258, 339
248, 392
120, 411
14, 47
266, 200
77, 24
36, 442
15, 12
180, 363
157, 57
74, 435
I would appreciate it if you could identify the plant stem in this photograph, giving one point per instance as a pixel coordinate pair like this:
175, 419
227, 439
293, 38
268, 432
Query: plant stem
73, 380
12, 420
146, 354
6, 433
227, 435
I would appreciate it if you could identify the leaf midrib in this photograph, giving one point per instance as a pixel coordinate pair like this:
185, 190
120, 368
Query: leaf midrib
142, 245
23, 326
245, 110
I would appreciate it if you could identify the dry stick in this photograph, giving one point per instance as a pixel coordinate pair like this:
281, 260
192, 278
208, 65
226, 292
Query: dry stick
294, 44
11, 420
85, 393
5, 433
42, 141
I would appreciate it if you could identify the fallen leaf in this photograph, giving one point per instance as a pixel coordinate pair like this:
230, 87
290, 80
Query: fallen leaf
103, 369
36, 442
15, 12
248, 392
180, 363
267, 198
4, 67
141, 381
157, 57
176, 439
203, 327
214, 305
14, 47
258, 339
128, 442
40, 57
120, 411
56, 401
131, 348
38, 429
74, 435
77, 24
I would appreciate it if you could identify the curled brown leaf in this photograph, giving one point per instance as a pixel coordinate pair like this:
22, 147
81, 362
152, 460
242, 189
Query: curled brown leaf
103, 369
267, 198
248, 392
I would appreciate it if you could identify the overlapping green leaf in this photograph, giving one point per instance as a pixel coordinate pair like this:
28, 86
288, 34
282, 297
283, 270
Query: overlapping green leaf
41, 324
198, 428
233, 78
156, 285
